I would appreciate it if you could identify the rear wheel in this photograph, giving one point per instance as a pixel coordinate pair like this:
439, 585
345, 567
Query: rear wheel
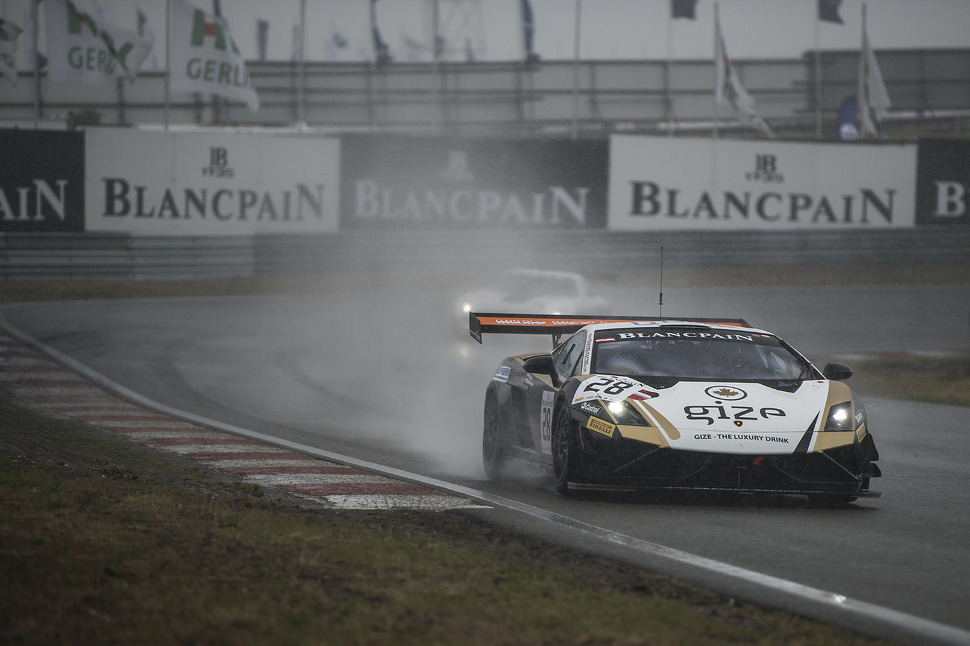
493, 456
564, 450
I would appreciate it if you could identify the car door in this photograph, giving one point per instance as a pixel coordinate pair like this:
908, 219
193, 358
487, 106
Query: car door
541, 392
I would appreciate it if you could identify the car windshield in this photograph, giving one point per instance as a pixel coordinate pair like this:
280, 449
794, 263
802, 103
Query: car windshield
697, 353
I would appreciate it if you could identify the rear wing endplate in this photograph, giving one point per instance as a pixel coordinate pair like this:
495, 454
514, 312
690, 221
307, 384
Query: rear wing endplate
481, 323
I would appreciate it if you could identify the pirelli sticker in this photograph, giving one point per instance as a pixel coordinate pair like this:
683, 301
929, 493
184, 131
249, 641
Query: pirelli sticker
600, 426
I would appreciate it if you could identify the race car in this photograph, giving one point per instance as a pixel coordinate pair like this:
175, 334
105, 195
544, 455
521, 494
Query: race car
639, 403
533, 290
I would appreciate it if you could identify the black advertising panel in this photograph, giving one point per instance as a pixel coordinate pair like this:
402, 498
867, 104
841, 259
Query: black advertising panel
41, 180
401, 182
943, 182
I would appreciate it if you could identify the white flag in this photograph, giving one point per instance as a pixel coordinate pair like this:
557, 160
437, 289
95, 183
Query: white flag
204, 57
8, 49
82, 49
728, 88
873, 99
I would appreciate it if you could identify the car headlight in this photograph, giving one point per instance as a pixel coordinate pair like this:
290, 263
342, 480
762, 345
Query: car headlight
840, 417
624, 412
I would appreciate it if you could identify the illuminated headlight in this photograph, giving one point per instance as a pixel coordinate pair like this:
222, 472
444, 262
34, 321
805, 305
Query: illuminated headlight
466, 307
840, 417
624, 413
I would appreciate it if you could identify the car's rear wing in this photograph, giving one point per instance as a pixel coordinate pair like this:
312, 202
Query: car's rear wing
487, 323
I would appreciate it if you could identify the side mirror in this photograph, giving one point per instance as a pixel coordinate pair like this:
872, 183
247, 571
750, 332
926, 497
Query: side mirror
836, 371
540, 365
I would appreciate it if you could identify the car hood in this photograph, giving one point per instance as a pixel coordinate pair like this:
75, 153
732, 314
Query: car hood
732, 417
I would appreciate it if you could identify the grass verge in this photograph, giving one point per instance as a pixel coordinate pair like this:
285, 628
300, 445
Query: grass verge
103, 542
931, 379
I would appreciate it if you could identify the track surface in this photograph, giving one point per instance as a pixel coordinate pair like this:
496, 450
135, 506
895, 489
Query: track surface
380, 374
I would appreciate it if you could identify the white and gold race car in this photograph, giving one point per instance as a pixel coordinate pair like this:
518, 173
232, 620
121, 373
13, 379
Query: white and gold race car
635, 403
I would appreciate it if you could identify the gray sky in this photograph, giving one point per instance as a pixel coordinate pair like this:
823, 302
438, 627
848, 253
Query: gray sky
610, 29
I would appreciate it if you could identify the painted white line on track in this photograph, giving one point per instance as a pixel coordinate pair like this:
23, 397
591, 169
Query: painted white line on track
242, 464
315, 478
145, 436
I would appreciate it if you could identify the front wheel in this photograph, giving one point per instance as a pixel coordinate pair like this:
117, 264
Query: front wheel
564, 451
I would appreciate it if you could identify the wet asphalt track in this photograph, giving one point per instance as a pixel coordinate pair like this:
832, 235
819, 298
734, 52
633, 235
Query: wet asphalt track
382, 376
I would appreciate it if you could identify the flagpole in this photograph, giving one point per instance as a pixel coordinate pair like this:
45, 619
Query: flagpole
717, 54
436, 85
35, 17
668, 101
301, 68
168, 57
861, 102
576, 71
818, 83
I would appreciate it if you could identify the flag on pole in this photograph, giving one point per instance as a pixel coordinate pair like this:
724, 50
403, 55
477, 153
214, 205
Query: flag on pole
204, 57
145, 31
728, 88
82, 49
8, 49
382, 53
872, 97
528, 32
828, 11
683, 9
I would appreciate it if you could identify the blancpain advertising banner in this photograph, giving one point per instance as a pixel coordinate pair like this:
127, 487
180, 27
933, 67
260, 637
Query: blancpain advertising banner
201, 183
708, 184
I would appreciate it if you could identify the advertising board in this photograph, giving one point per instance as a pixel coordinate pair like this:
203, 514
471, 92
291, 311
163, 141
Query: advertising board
211, 183
723, 185
400, 182
943, 182
41, 180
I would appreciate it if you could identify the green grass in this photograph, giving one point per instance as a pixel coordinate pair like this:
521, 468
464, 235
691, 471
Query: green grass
931, 379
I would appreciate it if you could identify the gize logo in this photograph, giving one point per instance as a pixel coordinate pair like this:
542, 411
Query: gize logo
951, 200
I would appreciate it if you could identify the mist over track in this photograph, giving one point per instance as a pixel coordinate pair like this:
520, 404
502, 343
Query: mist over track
370, 364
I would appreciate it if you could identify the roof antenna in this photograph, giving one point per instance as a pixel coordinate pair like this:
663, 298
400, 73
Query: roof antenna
661, 281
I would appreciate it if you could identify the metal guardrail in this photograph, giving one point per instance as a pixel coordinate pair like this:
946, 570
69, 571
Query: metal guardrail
86, 256
122, 257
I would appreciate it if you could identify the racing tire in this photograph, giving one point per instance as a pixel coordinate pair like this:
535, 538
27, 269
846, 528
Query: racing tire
565, 452
493, 446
